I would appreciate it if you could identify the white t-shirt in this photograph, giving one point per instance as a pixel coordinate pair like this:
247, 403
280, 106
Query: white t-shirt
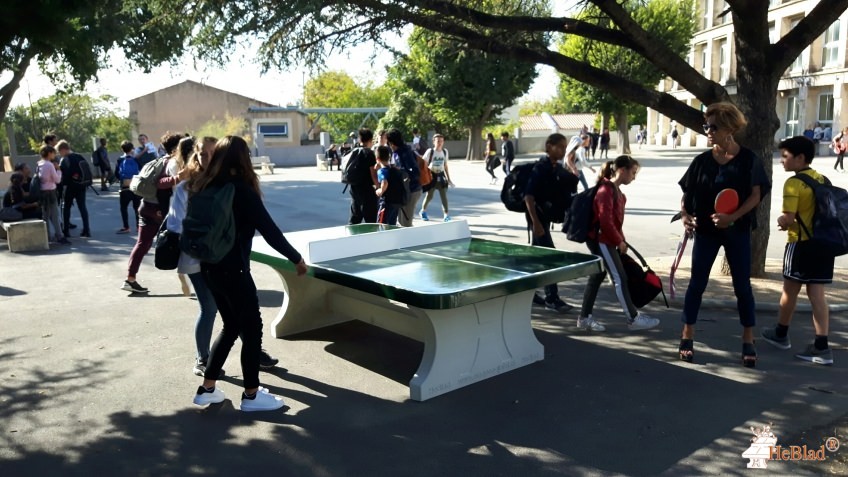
436, 159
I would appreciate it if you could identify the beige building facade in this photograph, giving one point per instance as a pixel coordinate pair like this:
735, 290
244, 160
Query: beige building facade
813, 90
185, 107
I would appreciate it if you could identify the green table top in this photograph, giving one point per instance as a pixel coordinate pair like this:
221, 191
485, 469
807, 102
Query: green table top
448, 274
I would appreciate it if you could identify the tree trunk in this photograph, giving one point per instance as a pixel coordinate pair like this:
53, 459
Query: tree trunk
476, 147
623, 138
7, 91
757, 82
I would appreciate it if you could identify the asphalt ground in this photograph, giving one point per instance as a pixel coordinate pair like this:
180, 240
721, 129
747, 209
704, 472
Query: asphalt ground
93, 380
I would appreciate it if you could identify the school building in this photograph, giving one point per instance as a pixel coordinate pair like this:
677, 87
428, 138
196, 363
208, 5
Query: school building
813, 90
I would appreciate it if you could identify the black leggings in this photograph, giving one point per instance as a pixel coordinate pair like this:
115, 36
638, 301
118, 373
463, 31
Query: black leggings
490, 166
237, 301
126, 197
75, 193
839, 158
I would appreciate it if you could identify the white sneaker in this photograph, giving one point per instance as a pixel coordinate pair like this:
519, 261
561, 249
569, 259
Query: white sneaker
264, 401
204, 397
589, 324
642, 322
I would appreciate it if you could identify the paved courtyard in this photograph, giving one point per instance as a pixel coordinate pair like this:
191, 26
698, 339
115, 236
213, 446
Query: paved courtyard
95, 381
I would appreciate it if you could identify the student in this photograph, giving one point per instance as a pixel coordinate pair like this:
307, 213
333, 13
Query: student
126, 168
15, 197
491, 157
387, 212
332, 157
404, 158
230, 280
726, 165
539, 190
437, 162
363, 202
50, 176
103, 163
151, 213
575, 157
607, 242
74, 191
803, 263
508, 152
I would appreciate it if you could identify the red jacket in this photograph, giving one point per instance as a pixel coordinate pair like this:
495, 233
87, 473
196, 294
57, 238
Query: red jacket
609, 214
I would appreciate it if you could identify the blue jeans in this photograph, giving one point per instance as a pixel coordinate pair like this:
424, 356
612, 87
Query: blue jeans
582, 178
206, 317
737, 249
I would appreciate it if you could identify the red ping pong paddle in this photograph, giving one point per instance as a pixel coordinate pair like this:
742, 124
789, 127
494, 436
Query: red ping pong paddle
727, 201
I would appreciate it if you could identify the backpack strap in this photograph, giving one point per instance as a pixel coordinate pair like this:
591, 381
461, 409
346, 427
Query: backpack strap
812, 184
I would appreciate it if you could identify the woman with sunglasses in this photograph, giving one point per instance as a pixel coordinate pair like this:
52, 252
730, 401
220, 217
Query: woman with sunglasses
726, 165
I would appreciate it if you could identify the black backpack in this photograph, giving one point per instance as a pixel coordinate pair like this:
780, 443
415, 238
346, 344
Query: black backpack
397, 194
512, 193
79, 169
830, 219
552, 203
580, 217
354, 170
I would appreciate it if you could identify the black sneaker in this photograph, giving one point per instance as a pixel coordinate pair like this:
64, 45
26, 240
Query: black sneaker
64, 241
133, 287
771, 338
538, 300
200, 369
558, 305
818, 356
72, 226
266, 361
86, 234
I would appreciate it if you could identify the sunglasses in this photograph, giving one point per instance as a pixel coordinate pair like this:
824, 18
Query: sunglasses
710, 128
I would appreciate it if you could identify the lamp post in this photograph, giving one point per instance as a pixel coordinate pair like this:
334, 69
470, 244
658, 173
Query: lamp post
803, 83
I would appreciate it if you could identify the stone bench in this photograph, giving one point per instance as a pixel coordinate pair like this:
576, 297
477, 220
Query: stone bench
26, 235
264, 163
467, 299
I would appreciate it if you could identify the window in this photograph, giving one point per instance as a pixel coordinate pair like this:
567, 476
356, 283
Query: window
798, 64
273, 129
830, 46
792, 110
826, 110
723, 61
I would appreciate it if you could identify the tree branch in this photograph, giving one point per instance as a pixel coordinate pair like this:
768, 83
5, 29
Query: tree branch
7, 91
664, 59
528, 23
784, 52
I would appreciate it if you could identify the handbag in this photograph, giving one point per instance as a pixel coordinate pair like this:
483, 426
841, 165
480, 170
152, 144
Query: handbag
167, 253
10, 214
644, 285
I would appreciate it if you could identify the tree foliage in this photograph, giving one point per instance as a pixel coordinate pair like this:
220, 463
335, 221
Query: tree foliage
463, 88
337, 89
73, 116
668, 21
69, 39
228, 126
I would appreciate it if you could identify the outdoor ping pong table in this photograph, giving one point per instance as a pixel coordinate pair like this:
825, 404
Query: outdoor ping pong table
467, 299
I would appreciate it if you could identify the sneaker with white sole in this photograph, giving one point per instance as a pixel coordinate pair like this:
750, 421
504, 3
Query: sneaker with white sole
133, 287
815, 355
642, 322
266, 361
589, 324
770, 335
204, 397
262, 401
424, 216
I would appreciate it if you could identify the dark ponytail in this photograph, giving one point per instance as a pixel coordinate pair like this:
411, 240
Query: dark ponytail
621, 162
